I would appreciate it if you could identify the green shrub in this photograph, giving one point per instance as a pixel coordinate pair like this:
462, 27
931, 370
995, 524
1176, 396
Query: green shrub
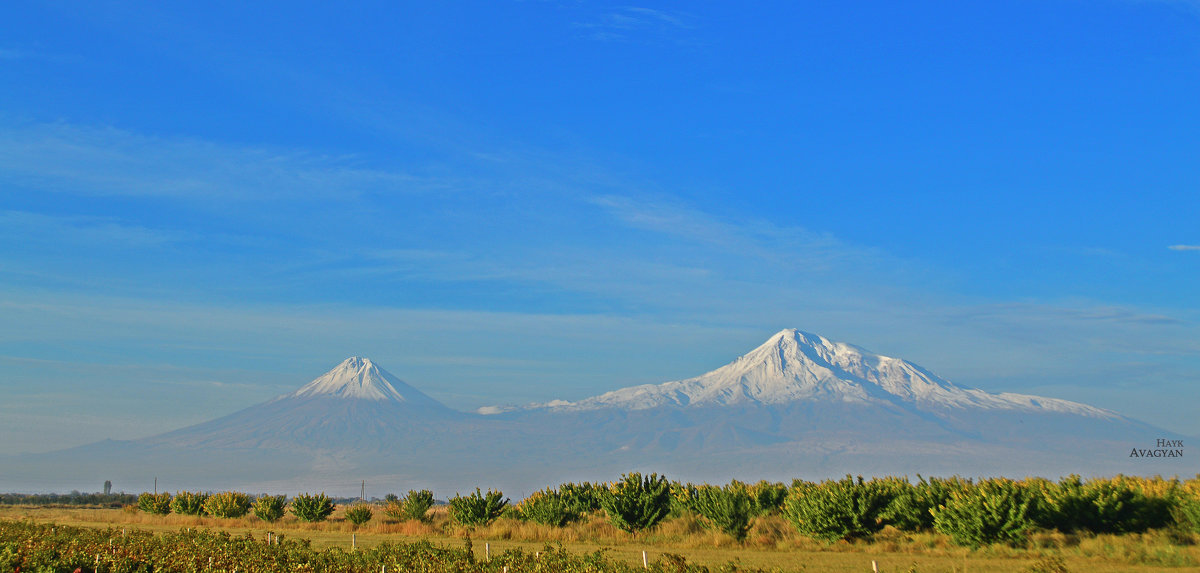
158, 504
582, 498
1188, 513
635, 503
833, 510
359, 513
1103, 505
188, 503
728, 509
311, 507
548, 508
911, 506
228, 504
414, 506
767, 497
269, 508
683, 498
477, 508
993, 511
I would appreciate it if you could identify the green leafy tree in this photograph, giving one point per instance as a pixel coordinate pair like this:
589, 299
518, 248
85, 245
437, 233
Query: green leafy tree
477, 508
547, 507
581, 498
833, 510
767, 497
417, 504
228, 504
1188, 513
359, 513
414, 506
728, 509
911, 506
155, 503
683, 498
1108, 505
188, 503
269, 508
635, 503
993, 511
311, 507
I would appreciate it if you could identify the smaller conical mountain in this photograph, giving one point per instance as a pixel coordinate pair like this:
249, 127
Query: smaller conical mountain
356, 405
359, 378
797, 366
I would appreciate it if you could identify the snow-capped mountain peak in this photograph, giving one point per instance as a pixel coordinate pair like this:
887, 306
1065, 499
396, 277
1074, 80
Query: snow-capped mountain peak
794, 365
360, 378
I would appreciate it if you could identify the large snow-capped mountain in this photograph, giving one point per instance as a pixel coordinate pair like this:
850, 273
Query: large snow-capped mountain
794, 366
798, 405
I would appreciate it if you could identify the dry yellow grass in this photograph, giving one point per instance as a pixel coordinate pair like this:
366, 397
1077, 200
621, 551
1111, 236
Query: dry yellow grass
772, 543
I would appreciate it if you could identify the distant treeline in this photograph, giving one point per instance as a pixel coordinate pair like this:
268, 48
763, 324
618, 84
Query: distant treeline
114, 500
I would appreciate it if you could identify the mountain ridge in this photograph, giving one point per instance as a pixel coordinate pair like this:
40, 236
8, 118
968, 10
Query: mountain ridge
793, 365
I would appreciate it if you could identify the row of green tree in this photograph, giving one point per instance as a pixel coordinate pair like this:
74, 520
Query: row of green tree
970, 512
74, 498
270, 508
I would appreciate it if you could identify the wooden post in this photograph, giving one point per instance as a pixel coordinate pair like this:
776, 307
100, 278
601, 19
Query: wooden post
353, 542
487, 551
645, 565
874, 566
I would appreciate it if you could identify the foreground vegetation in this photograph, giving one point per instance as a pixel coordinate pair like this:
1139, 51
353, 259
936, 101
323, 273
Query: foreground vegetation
1114, 524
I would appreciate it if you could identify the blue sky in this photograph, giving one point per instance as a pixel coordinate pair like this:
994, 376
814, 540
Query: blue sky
202, 207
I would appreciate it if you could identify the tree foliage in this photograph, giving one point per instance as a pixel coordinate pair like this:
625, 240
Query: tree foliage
359, 513
996, 510
269, 508
228, 504
477, 508
635, 503
728, 509
415, 505
188, 503
311, 507
911, 506
548, 507
833, 510
155, 503
582, 498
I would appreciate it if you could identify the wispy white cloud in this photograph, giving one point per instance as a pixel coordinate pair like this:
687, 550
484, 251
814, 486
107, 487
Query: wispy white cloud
1184, 247
636, 22
108, 161
65, 230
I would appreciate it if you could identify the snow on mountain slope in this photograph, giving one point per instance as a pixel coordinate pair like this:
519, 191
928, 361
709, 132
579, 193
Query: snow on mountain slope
360, 378
794, 365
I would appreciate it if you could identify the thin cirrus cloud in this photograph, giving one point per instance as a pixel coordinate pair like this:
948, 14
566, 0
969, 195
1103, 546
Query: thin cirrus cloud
1184, 247
635, 22
115, 162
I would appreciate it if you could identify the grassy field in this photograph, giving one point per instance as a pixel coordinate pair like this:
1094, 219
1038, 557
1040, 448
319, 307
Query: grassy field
772, 543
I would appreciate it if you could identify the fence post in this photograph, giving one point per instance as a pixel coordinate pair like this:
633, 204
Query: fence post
645, 564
